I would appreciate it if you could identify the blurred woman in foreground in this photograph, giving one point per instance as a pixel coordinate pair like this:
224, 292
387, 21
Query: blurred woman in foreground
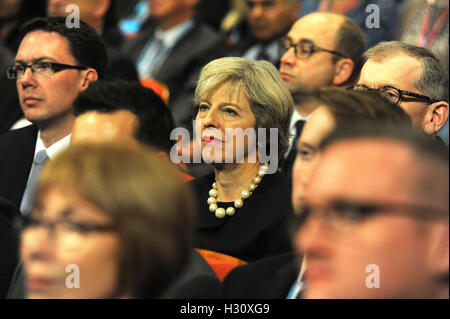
112, 221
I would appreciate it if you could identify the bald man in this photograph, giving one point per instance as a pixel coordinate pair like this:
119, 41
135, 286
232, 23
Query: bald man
321, 49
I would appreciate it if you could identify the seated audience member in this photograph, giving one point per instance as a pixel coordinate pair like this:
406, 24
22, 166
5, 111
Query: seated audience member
242, 212
171, 47
336, 108
9, 243
13, 13
48, 77
333, 108
100, 15
114, 110
266, 22
108, 111
411, 77
377, 18
104, 208
375, 219
119, 110
321, 49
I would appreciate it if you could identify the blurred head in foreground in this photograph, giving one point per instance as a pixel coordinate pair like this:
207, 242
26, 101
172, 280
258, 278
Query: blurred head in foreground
374, 220
103, 222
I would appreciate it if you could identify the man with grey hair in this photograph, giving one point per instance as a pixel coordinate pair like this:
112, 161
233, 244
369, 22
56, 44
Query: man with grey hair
411, 77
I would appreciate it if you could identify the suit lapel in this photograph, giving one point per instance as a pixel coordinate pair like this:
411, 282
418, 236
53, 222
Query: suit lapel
18, 166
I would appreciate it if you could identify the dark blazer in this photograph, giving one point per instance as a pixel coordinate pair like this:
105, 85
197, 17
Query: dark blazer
197, 280
9, 242
268, 278
16, 157
181, 68
257, 230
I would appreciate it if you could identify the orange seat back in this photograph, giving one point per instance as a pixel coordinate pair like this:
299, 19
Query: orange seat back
221, 264
158, 87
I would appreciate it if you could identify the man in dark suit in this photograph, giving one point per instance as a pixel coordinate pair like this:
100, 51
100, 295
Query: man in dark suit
171, 48
266, 23
268, 278
52, 65
321, 49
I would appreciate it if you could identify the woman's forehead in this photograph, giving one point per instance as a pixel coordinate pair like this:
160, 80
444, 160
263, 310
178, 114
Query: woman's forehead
229, 90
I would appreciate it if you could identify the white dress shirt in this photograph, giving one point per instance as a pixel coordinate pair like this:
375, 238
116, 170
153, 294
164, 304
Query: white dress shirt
294, 119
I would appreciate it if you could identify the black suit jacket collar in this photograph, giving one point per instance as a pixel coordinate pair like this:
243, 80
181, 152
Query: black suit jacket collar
16, 157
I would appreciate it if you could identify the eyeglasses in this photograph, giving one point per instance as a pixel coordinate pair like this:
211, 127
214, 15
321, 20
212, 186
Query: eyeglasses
65, 226
343, 216
15, 71
393, 94
305, 48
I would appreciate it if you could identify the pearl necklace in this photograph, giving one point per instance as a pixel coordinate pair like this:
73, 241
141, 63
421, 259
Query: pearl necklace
230, 211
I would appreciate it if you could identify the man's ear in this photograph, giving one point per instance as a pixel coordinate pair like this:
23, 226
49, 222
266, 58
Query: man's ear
91, 75
343, 71
435, 117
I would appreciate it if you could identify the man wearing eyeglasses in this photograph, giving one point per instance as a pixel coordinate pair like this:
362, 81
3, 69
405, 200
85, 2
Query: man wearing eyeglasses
411, 77
375, 219
321, 49
52, 65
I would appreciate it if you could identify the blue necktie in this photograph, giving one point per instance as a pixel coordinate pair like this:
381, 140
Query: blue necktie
149, 63
28, 196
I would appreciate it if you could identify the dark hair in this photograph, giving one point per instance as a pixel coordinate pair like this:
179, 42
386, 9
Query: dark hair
348, 106
424, 145
155, 121
85, 44
350, 41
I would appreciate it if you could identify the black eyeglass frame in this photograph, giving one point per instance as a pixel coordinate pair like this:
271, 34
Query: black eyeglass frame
313, 46
55, 67
401, 93
358, 211
31, 222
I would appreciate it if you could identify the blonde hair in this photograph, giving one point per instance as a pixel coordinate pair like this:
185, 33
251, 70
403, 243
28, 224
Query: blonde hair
149, 205
268, 96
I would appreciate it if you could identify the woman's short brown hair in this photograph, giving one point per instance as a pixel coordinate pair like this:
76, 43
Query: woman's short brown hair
149, 205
